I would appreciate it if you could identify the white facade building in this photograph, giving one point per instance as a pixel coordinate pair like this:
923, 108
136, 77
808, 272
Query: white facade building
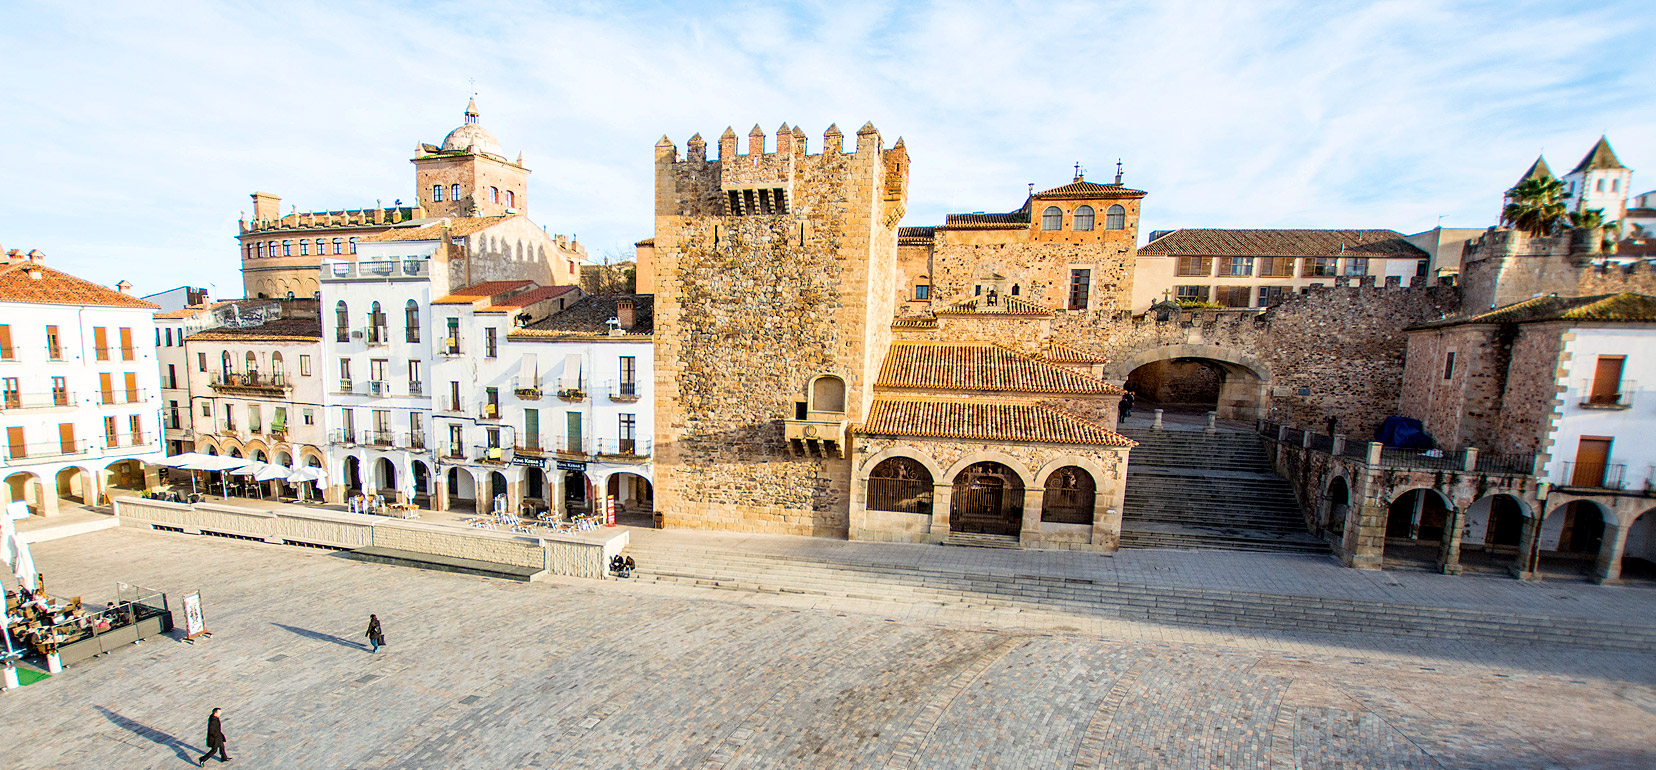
256, 392
79, 392
1599, 181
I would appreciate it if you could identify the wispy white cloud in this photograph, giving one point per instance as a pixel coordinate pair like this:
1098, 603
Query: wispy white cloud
137, 130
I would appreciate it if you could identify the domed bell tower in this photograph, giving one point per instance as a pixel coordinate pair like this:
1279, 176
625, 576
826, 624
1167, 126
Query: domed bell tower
469, 175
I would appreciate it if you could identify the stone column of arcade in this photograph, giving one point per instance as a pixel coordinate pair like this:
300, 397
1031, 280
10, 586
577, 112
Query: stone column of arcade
1029, 530
1608, 569
942, 498
1449, 554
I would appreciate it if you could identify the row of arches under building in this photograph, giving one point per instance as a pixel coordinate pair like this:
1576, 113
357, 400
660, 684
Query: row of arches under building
987, 496
1572, 538
472, 488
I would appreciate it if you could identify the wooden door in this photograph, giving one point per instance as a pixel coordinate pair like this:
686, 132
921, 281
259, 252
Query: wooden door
100, 343
14, 444
66, 437
127, 351
1592, 454
1607, 380
107, 387
131, 388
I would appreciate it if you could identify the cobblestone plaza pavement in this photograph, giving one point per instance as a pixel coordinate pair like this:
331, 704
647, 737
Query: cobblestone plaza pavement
573, 674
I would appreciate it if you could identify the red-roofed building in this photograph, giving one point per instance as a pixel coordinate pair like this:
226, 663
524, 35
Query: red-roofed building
79, 398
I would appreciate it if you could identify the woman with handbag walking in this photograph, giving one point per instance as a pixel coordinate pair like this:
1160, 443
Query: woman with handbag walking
376, 636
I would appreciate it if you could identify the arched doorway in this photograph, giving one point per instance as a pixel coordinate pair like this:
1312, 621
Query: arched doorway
284, 459
27, 488
1573, 532
1504, 524
125, 474
1069, 496
1639, 555
575, 491
74, 485
422, 482
1339, 504
1230, 381
1418, 514
534, 484
353, 475
632, 492
461, 489
385, 475
988, 500
498, 489
900, 484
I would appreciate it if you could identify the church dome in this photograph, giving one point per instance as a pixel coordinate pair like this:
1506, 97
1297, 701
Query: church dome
472, 136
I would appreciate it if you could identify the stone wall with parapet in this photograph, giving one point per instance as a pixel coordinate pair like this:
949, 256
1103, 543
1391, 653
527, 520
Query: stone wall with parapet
1330, 352
751, 307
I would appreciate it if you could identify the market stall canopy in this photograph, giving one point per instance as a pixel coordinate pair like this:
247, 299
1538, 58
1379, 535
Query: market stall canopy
180, 460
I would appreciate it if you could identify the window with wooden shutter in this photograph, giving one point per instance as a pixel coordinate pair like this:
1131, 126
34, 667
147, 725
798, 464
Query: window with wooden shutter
15, 448
127, 350
1607, 380
6, 341
106, 387
100, 343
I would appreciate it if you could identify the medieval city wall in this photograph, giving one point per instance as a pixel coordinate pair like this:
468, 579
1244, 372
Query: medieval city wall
1040, 268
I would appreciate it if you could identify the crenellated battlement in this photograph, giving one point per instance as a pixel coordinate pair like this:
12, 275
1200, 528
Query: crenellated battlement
323, 220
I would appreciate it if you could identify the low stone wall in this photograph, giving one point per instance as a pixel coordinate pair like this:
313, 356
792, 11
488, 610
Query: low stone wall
329, 528
579, 555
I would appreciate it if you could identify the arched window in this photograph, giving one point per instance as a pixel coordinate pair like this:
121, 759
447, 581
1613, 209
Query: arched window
353, 245
376, 324
494, 194
1069, 497
1014, 290
276, 362
511, 198
437, 192
260, 248
321, 246
828, 394
411, 320
1084, 218
900, 484
252, 363
304, 247
342, 322
1052, 219
1115, 218
226, 364
339, 245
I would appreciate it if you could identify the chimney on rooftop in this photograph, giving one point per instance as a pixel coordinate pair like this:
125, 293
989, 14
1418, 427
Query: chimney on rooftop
626, 312
124, 286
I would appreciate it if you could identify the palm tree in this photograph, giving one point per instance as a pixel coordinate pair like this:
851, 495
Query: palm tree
1536, 206
1591, 219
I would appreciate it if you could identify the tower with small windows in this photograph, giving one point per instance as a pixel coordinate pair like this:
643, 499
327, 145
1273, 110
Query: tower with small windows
1599, 181
469, 175
775, 277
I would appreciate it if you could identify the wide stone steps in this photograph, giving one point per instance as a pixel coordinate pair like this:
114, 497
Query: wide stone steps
959, 590
1209, 491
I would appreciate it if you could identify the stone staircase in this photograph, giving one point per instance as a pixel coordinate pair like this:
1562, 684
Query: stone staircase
948, 589
1190, 489
979, 540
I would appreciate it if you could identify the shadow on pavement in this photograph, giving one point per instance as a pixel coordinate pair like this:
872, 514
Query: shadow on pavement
184, 750
319, 636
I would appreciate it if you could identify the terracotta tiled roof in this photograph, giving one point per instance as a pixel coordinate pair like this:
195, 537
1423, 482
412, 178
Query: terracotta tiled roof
528, 298
189, 312
1005, 306
279, 330
458, 228
1603, 308
55, 287
955, 366
1282, 243
1637, 247
915, 234
1069, 355
985, 421
914, 322
1018, 218
477, 291
590, 316
1081, 188
1600, 157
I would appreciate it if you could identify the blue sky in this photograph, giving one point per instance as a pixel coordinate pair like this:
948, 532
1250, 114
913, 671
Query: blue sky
137, 130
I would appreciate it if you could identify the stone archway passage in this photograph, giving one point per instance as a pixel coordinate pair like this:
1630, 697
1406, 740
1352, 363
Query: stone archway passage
900, 484
1069, 496
988, 500
1242, 390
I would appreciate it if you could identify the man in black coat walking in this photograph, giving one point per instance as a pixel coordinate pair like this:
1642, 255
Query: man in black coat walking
215, 739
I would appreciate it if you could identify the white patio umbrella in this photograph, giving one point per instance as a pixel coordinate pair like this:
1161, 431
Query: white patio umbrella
180, 460
272, 472
218, 463
308, 473
13, 550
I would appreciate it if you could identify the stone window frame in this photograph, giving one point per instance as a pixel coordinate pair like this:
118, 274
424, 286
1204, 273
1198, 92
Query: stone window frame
922, 291
437, 193
1083, 218
811, 394
1052, 218
454, 192
1085, 295
1195, 292
1449, 364
1115, 217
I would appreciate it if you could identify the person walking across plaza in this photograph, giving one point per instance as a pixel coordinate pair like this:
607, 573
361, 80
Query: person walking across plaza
215, 739
376, 636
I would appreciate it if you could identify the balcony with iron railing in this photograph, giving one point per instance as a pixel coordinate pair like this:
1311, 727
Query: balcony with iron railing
380, 438
398, 269
622, 448
454, 451
571, 445
1593, 475
376, 336
45, 450
527, 389
1604, 398
343, 436
528, 444
251, 383
122, 396
415, 441
489, 455
379, 388
489, 412
416, 388
449, 346
623, 390
12, 399
572, 388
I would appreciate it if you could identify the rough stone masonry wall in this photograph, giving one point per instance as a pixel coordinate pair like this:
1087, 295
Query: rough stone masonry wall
1344, 346
1041, 270
748, 310
1533, 392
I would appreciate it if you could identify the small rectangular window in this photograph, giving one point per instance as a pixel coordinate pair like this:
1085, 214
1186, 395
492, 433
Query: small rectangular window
100, 343
437, 193
304, 366
1190, 293
1232, 296
1194, 266
1239, 266
128, 350
1080, 286
54, 350
489, 342
309, 416
206, 409
1449, 365
922, 291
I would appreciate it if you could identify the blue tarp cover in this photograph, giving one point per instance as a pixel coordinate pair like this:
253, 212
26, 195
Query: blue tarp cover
1403, 432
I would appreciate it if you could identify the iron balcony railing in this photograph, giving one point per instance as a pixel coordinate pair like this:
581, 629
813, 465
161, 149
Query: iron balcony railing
623, 447
122, 396
572, 388
415, 440
1620, 398
45, 450
12, 399
376, 336
1597, 475
344, 436
273, 381
454, 451
379, 388
381, 438
623, 390
1523, 462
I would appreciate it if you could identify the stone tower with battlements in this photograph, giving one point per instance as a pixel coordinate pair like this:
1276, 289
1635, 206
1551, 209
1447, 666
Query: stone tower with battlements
775, 282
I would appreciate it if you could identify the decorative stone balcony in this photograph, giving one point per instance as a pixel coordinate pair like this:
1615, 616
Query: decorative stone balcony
821, 434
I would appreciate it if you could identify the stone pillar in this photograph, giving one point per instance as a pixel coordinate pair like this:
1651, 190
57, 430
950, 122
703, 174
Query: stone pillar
1449, 554
1339, 444
1106, 533
1608, 569
555, 488
1373, 457
1030, 530
1367, 547
1529, 549
942, 498
1282, 433
1156, 422
152, 475
1469, 459
1212, 423
1305, 439
48, 496
439, 492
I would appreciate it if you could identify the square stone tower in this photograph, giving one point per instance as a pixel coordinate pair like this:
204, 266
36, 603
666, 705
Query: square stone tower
469, 175
775, 283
